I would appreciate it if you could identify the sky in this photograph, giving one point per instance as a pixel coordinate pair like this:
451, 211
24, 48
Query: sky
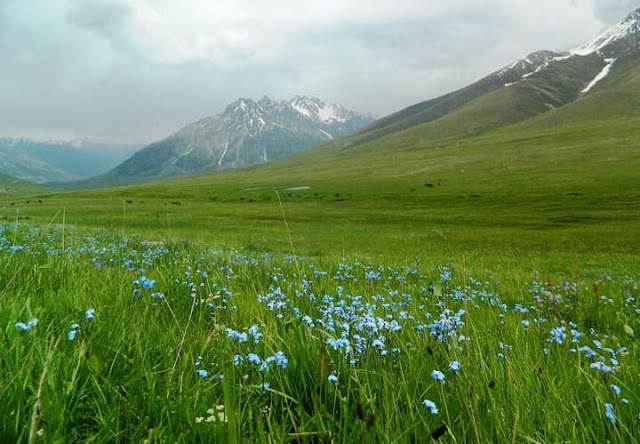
134, 71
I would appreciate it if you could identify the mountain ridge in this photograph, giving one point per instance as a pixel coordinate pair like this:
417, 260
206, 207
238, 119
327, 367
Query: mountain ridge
246, 133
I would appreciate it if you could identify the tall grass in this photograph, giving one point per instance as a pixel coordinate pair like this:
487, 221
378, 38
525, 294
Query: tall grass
360, 340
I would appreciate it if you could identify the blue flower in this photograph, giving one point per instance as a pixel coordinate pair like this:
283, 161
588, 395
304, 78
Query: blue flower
558, 335
609, 413
281, 360
525, 323
586, 350
615, 389
431, 406
147, 283
265, 386
602, 367
90, 314
75, 326
252, 358
235, 335
71, 336
253, 331
21, 326
438, 376
454, 367
332, 378
202, 373
28, 326
237, 360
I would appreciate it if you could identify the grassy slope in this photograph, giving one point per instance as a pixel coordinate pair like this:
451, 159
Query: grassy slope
10, 186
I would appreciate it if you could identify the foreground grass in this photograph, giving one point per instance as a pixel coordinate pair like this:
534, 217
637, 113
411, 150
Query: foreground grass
166, 357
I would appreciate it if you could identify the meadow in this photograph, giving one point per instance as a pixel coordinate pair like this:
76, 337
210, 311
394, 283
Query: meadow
112, 339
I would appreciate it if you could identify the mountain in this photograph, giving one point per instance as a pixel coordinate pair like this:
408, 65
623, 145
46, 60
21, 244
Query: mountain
43, 162
247, 133
530, 86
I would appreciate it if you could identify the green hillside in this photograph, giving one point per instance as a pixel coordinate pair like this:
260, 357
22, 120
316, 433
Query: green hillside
10, 186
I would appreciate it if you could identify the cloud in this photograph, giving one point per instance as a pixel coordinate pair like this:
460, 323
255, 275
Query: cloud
135, 70
611, 11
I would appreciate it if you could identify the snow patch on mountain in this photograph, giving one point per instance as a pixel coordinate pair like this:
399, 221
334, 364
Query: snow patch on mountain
326, 134
316, 109
601, 75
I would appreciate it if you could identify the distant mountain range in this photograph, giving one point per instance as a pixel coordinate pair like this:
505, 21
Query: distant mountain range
43, 162
247, 133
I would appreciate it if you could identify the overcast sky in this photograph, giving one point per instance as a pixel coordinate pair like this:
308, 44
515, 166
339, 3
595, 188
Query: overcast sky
137, 70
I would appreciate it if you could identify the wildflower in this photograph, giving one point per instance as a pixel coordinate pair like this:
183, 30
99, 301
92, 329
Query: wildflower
558, 335
615, 389
71, 336
237, 360
454, 367
255, 333
586, 350
438, 376
265, 386
235, 335
609, 413
281, 360
89, 315
147, 283
602, 367
252, 358
525, 323
21, 326
431, 406
28, 326
202, 373
332, 378
198, 361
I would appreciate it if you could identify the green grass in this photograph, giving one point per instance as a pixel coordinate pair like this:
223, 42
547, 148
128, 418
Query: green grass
130, 374
12, 187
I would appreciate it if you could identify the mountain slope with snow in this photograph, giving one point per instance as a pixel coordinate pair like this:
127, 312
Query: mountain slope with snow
247, 133
529, 86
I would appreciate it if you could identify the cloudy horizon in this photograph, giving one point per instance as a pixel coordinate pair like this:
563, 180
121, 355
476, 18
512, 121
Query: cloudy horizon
134, 71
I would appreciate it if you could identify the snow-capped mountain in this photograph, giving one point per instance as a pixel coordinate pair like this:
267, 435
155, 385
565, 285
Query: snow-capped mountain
619, 41
248, 132
532, 85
